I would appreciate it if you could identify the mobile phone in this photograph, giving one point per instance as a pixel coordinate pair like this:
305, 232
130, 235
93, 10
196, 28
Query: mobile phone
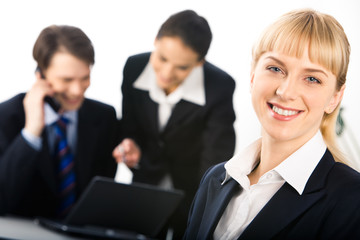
54, 104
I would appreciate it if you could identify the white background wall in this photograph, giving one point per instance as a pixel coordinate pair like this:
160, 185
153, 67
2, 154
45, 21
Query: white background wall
119, 28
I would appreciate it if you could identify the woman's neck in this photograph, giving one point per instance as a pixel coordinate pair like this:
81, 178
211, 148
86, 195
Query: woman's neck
272, 153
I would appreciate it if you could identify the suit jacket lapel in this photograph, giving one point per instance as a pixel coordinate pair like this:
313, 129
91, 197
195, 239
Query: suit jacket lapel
152, 109
47, 164
86, 136
286, 205
281, 210
218, 200
182, 110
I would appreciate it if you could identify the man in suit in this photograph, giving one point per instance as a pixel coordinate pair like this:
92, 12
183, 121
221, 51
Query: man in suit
177, 110
29, 171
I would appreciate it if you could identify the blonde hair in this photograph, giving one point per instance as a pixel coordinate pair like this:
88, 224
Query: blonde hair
327, 44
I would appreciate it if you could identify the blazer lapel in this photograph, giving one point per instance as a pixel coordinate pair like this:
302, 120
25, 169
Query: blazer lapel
182, 110
87, 129
47, 164
151, 111
283, 208
286, 205
218, 200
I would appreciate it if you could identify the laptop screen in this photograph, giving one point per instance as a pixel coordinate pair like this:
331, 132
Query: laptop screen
139, 208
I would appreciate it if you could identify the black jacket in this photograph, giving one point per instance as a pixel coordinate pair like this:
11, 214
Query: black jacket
27, 177
195, 137
329, 207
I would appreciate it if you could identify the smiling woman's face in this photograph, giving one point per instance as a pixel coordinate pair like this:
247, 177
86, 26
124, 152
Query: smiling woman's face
290, 96
172, 61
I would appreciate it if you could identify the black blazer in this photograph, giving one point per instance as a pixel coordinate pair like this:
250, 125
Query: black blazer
27, 177
329, 208
195, 137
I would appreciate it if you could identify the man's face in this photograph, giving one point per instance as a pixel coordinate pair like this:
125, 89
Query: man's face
69, 77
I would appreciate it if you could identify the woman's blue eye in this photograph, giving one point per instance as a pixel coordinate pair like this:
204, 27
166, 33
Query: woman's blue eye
313, 80
274, 69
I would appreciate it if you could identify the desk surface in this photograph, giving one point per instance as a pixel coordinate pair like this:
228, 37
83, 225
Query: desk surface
26, 229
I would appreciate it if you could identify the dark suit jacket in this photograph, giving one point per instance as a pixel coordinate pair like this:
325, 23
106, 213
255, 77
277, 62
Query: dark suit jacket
329, 207
27, 176
195, 137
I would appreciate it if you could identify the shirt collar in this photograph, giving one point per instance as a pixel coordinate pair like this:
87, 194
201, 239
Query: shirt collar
192, 89
51, 116
243, 163
298, 167
295, 170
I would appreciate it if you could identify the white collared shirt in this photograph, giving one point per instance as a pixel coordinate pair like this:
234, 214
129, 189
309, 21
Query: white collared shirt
50, 117
192, 90
243, 207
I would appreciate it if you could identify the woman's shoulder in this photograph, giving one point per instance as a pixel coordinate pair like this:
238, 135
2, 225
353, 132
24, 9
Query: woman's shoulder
346, 172
344, 179
215, 171
214, 73
141, 58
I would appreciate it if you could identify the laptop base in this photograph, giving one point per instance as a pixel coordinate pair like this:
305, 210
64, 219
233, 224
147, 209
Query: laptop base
93, 231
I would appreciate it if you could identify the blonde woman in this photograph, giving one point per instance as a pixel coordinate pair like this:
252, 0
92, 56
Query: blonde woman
289, 184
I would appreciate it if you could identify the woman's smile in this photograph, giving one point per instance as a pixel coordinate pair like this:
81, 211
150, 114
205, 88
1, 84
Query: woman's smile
283, 113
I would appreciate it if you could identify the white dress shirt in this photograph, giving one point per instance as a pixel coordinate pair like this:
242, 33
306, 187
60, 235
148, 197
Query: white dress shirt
192, 90
50, 117
243, 208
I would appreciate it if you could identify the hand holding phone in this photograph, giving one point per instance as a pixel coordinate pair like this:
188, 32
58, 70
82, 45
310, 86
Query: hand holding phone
50, 100
34, 106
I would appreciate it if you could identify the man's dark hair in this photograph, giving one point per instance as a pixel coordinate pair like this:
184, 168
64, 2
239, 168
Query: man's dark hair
191, 28
62, 38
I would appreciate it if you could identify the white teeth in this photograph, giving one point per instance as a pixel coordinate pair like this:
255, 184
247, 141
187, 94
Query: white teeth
283, 112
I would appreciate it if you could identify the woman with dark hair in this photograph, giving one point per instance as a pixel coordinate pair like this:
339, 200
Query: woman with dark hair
177, 112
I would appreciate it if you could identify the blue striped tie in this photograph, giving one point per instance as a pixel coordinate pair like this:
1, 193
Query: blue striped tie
65, 170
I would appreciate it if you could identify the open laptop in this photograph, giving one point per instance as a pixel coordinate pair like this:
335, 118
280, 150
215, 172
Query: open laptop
112, 210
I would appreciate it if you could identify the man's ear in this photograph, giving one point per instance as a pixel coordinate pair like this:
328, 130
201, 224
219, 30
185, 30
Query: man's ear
335, 100
38, 75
